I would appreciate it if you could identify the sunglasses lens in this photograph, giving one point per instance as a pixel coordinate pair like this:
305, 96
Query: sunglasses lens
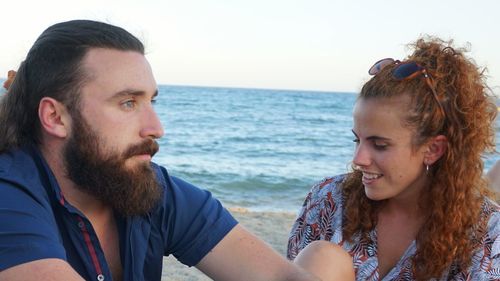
379, 65
405, 70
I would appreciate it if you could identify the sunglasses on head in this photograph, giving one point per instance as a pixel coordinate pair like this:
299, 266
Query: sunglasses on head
405, 71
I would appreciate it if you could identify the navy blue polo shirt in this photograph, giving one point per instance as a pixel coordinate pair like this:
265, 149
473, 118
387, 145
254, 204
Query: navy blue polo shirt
36, 222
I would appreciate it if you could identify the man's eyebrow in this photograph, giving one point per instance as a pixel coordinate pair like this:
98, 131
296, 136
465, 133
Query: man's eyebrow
132, 92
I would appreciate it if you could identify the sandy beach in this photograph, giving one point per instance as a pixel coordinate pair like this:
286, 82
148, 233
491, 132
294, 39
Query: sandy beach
272, 227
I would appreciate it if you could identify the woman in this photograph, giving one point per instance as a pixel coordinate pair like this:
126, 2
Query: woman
416, 206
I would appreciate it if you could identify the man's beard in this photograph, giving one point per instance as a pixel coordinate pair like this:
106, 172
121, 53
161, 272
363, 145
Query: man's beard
133, 191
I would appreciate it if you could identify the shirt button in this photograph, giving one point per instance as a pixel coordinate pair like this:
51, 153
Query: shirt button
81, 224
100, 277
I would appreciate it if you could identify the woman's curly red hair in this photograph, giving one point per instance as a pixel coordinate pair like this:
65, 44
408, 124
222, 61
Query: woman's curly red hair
457, 190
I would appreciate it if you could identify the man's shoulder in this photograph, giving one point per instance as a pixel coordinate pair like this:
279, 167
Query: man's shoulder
18, 164
7, 159
22, 172
192, 221
29, 230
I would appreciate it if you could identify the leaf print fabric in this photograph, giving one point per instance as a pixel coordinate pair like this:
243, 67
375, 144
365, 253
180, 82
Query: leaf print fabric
321, 219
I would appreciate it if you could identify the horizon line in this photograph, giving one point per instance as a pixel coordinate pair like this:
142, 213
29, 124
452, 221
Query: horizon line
250, 88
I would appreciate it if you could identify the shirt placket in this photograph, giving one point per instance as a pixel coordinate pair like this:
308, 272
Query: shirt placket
90, 240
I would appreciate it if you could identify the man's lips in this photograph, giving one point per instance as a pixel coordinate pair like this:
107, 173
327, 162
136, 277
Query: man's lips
146, 157
147, 148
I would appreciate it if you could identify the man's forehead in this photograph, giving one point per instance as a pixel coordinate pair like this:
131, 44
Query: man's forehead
115, 71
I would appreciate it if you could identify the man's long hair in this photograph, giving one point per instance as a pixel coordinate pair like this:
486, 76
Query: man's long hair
53, 69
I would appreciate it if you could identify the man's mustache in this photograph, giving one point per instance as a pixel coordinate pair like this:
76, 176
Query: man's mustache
149, 146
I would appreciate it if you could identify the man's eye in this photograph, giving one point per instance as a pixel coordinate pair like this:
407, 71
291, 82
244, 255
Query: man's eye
129, 104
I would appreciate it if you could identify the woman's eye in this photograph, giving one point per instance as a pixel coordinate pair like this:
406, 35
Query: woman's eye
355, 140
380, 146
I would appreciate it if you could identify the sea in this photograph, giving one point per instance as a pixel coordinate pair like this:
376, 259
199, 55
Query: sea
258, 149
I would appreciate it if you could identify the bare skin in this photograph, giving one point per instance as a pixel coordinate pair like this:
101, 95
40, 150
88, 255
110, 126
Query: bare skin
396, 230
327, 261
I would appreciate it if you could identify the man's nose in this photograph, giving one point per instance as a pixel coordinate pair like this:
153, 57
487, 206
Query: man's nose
151, 126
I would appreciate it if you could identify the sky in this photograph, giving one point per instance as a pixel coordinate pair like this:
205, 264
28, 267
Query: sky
319, 45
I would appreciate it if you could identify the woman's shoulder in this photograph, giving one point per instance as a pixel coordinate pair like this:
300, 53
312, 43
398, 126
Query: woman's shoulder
328, 188
490, 210
488, 227
486, 260
329, 183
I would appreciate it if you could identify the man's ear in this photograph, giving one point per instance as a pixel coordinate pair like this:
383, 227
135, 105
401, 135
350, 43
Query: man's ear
436, 147
54, 117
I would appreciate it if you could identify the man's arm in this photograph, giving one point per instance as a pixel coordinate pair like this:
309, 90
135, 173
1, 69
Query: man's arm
242, 256
41, 270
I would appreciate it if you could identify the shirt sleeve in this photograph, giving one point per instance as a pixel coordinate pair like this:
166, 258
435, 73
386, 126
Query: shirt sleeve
28, 230
195, 221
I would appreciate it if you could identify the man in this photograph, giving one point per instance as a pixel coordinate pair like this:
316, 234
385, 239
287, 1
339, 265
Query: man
79, 197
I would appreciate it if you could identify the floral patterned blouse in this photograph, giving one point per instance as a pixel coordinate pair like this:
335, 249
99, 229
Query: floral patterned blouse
321, 219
